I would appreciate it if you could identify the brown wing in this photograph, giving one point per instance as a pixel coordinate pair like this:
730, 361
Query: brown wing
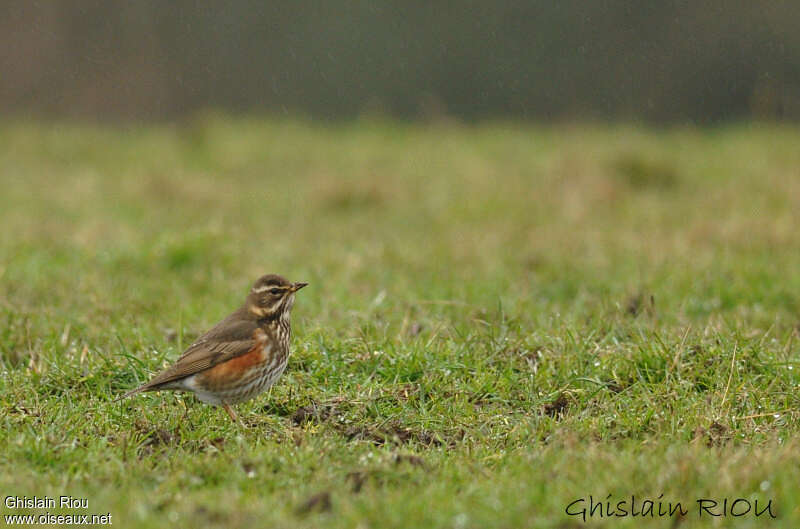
230, 338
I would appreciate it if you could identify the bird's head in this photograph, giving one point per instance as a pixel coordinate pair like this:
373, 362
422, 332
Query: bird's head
272, 296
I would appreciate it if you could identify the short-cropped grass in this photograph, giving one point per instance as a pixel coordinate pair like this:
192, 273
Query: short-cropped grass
505, 324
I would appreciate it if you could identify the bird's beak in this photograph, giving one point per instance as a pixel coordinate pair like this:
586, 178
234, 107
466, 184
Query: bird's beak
297, 286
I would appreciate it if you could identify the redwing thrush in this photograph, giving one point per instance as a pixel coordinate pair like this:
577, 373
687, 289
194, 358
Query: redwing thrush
239, 357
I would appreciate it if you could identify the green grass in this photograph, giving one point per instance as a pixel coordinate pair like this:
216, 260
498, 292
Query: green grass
501, 319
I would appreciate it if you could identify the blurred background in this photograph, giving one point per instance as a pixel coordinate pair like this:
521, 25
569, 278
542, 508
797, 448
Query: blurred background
666, 61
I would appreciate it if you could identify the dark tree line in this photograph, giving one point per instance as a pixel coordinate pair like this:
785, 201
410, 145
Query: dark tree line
671, 60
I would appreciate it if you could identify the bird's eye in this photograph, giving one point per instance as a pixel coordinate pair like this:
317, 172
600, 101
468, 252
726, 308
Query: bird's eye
275, 291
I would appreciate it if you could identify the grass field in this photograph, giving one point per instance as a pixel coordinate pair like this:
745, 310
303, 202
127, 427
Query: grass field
502, 319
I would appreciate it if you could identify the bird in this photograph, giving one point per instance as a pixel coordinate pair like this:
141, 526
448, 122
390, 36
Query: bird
241, 356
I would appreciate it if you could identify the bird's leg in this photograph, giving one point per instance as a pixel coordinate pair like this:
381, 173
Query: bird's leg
231, 413
186, 419
185, 409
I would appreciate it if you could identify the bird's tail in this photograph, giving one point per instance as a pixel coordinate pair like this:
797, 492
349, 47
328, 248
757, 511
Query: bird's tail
140, 389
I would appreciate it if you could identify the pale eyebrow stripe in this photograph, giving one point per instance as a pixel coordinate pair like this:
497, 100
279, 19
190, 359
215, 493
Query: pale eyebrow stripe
268, 287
